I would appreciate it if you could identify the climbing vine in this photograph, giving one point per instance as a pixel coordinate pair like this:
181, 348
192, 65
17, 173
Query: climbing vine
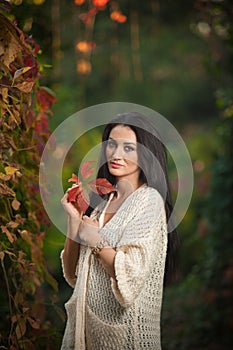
25, 106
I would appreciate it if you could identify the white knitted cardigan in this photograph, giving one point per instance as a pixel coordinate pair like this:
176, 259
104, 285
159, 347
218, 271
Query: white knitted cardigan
104, 313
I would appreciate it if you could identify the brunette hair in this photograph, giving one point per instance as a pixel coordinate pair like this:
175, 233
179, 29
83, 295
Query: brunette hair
152, 159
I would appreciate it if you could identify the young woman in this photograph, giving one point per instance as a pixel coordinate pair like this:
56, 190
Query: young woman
116, 256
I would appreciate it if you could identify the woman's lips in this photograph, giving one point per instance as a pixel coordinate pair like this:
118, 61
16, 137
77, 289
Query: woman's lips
115, 165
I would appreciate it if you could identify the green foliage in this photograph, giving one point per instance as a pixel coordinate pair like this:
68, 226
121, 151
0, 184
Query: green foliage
24, 110
205, 308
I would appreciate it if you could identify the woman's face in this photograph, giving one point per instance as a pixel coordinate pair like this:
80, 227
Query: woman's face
121, 153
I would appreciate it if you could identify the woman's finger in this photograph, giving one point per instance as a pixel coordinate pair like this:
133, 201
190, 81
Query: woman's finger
70, 188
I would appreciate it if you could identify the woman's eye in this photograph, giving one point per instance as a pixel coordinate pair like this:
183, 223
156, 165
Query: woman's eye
111, 144
128, 148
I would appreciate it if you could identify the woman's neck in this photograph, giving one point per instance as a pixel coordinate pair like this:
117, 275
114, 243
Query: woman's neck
126, 187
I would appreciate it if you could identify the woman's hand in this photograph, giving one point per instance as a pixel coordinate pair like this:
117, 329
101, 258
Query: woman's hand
88, 232
70, 209
74, 217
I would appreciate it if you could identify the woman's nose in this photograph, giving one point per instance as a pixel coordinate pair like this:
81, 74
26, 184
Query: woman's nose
118, 153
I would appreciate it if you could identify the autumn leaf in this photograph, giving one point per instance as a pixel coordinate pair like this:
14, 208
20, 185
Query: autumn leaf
33, 323
25, 86
79, 198
10, 170
26, 236
85, 170
15, 204
45, 97
82, 201
78, 195
10, 45
4, 92
5, 190
20, 329
19, 72
75, 179
73, 193
12, 224
11, 237
101, 186
5, 177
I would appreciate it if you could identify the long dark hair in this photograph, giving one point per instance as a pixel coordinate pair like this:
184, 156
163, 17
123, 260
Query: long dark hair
152, 159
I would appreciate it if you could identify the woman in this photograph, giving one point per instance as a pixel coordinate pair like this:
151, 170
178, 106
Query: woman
115, 258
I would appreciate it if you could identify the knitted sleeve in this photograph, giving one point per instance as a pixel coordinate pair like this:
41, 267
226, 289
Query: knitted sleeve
140, 247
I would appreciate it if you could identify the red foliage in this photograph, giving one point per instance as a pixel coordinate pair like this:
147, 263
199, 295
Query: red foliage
78, 194
24, 130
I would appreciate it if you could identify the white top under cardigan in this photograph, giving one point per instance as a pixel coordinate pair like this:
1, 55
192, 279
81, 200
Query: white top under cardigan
104, 313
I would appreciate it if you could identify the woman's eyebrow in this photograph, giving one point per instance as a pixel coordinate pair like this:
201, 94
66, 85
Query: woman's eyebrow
125, 142
129, 143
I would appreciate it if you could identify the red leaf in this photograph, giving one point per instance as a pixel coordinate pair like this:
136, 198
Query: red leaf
75, 179
85, 170
83, 201
45, 97
101, 186
73, 193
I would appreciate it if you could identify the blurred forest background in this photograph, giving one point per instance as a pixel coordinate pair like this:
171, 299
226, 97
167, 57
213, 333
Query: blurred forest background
60, 56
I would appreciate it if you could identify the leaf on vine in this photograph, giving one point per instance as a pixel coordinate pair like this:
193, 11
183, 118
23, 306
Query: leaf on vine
15, 204
25, 86
10, 170
26, 236
10, 45
11, 237
20, 329
4, 92
33, 323
101, 186
19, 72
85, 169
12, 224
46, 98
6, 191
5, 177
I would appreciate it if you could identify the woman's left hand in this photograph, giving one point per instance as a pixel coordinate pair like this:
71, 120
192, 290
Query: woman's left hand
88, 232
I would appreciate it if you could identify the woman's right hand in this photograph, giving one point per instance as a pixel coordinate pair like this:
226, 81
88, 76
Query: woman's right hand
70, 209
74, 216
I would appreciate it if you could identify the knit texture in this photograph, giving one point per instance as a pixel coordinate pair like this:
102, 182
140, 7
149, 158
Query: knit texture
104, 313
